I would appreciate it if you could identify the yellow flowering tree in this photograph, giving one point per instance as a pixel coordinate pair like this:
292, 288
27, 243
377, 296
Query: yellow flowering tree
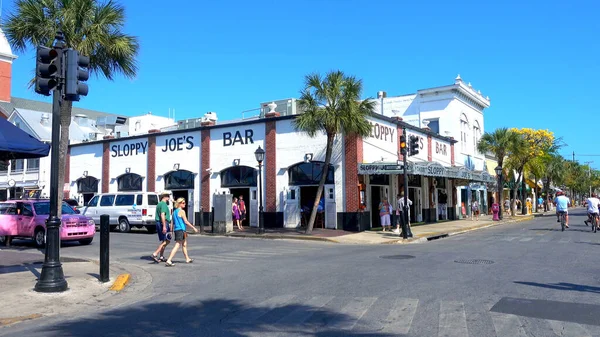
530, 144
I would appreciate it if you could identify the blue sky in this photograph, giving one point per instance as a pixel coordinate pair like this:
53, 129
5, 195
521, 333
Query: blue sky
538, 61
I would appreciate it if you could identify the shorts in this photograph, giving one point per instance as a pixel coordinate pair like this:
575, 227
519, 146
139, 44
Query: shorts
476, 212
243, 216
179, 235
385, 220
161, 236
592, 213
562, 212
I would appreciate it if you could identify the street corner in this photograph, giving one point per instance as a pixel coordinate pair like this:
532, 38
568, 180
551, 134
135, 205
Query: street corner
120, 282
8, 321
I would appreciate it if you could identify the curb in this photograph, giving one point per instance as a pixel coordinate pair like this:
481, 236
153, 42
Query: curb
120, 283
291, 237
470, 229
4, 322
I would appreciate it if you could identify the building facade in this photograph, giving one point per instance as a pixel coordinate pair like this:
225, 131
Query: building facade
199, 162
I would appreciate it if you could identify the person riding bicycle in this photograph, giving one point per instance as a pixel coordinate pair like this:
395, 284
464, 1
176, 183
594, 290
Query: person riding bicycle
562, 204
592, 207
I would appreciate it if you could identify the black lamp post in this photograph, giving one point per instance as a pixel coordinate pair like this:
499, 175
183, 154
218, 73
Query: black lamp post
52, 278
260, 156
498, 170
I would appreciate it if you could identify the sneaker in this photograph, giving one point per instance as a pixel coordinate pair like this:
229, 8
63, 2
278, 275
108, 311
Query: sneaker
396, 231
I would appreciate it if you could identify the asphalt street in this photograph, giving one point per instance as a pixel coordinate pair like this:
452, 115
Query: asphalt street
514, 280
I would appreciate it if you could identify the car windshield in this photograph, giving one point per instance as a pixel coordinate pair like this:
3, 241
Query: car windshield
43, 208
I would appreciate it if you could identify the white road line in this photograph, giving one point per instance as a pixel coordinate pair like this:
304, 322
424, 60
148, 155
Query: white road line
305, 311
257, 253
237, 256
401, 316
568, 329
453, 320
510, 238
222, 258
352, 312
251, 315
526, 239
564, 240
507, 325
545, 240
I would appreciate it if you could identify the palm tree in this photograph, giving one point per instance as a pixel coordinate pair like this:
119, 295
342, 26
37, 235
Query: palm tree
332, 105
92, 27
499, 143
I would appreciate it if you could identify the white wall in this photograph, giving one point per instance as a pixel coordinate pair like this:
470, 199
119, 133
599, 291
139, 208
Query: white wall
180, 148
441, 152
291, 149
382, 144
235, 142
84, 158
130, 153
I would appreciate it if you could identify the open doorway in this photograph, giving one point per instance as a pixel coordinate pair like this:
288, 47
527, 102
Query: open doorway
307, 201
375, 200
245, 192
185, 195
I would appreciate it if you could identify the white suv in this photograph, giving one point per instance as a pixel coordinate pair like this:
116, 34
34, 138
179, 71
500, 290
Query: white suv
125, 209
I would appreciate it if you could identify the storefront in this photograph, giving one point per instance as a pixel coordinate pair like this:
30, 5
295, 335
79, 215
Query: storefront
198, 163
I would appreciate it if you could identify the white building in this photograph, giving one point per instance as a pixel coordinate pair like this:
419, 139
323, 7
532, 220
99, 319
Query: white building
456, 111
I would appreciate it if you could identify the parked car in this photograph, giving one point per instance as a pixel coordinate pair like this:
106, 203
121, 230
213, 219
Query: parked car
27, 219
125, 209
74, 204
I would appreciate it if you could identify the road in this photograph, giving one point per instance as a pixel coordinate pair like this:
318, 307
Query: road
522, 279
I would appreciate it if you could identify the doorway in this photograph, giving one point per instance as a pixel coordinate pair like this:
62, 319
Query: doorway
245, 192
307, 201
87, 197
189, 206
375, 200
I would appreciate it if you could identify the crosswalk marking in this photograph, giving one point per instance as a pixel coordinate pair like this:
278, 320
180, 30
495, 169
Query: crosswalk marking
252, 314
352, 312
453, 320
401, 316
507, 325
526, 239
568, 329
302, 314
564, 240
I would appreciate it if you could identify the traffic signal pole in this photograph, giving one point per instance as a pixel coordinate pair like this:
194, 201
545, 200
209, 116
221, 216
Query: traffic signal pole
52, 278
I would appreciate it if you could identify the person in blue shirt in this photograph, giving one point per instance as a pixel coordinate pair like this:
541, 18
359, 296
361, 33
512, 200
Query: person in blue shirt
180, 222
562, 204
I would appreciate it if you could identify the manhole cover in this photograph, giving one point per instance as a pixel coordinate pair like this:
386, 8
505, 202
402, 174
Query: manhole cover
397, 257
474, 261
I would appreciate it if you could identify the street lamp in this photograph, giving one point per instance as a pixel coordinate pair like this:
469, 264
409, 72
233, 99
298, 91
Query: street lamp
260, 156
498, 171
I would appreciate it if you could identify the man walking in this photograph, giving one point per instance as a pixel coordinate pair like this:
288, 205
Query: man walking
400, 219
242, 208
163, 222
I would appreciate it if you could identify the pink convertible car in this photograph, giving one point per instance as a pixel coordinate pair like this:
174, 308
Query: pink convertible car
27, 219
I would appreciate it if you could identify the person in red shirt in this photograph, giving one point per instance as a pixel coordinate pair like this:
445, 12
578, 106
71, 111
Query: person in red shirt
242, 207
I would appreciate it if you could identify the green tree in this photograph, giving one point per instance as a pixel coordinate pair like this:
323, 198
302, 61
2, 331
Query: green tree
499, 143
332, 105
94, 28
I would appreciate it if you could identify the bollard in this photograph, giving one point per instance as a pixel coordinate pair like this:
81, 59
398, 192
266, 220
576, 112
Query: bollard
201, 222
104, 245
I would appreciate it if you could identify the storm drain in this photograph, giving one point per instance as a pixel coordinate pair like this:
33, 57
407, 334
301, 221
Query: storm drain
474, 261
397, 257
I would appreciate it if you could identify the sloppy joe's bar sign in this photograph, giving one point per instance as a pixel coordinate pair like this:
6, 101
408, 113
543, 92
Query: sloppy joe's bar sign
382, 132
172, 144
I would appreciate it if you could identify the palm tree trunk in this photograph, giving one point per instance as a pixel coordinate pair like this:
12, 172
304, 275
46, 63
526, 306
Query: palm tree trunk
63, 146
513, 203
313, 214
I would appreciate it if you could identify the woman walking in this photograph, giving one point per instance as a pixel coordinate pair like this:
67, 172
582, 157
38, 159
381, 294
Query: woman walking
180, 222
235, 211
475, 210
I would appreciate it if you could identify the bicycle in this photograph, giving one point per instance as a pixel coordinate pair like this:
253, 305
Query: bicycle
563, 220
594, 222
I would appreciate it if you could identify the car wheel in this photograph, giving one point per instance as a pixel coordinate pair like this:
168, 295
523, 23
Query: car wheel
86, 242
124, 225
39, 237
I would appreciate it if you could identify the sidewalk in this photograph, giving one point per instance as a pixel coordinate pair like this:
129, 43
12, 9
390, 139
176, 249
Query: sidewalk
421, 233
19, 272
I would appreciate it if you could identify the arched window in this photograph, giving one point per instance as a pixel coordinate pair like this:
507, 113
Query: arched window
129, 182
179, 180
310, 173
476, 136
464, 132
87, 185
238, 176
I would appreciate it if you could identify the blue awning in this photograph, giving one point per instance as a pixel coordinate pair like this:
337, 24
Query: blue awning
17, 144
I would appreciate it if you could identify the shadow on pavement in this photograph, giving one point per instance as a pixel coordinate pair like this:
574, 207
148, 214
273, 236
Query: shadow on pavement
563, 286
214, 317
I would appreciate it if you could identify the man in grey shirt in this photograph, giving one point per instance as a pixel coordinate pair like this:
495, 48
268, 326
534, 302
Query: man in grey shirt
400, 212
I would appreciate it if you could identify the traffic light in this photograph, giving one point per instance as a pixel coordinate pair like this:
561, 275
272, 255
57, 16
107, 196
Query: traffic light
76, 73
403, 145
413, 147
46, 70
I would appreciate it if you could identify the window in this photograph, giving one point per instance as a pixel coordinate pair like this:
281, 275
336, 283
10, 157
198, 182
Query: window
8, 208
43, 208
93, 202
107, 200
87, 185
152, 199
238, 176
16, 165
310, 173
379, 179
138, 199
27, 210
464, 132
476, 136
124, 200
179, 180
33, 164
129, 182
434, 125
